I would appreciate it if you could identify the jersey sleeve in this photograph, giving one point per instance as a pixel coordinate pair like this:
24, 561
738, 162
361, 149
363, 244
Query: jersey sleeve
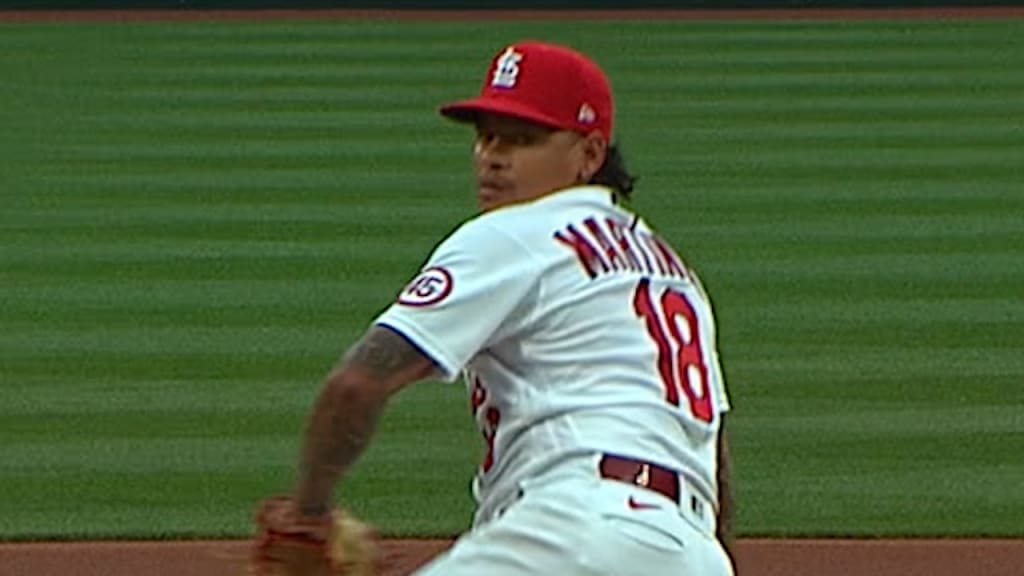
469, 287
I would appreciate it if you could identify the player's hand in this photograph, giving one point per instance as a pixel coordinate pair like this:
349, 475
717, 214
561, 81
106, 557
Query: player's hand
289, 543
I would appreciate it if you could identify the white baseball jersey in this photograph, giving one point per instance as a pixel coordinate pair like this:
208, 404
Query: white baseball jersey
577, 330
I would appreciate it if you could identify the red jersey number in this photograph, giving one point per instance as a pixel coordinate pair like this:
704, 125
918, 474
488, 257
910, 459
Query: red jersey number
680, 354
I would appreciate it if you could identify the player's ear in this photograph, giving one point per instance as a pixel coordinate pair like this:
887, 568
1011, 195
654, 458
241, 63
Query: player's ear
594, 149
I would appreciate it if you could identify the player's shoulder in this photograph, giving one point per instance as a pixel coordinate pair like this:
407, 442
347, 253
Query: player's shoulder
541, 214
526, 228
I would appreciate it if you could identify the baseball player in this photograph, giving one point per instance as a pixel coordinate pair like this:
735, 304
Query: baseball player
586, 345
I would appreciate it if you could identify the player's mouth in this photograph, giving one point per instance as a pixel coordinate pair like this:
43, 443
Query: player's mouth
490, 190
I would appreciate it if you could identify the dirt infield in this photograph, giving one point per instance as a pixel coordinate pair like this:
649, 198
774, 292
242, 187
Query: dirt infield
754, 557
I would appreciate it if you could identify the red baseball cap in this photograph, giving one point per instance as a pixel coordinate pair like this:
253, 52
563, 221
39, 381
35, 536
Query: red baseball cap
544, 83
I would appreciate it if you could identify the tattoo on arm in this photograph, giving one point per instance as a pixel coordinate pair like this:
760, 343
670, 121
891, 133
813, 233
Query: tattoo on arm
385, 354
346, 412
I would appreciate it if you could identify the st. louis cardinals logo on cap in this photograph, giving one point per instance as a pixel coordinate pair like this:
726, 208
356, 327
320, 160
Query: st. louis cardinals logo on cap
506, 70
543, 83
430, 287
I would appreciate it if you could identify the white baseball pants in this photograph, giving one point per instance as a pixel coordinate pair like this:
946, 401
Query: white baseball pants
583, 525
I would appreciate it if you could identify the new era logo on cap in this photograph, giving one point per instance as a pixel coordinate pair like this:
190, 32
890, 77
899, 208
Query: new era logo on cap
544, 83
586, 115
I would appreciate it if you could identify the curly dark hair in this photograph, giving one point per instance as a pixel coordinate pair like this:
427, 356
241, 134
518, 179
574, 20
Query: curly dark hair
614, 174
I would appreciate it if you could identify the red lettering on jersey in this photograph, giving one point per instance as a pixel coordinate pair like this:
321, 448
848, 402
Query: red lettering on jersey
644, 307
682, 369
618, 232
492, 418
639, 249
488, 425
691, 372
673, 262
588, 256
620, 247
614, 258
478, 396
652, 247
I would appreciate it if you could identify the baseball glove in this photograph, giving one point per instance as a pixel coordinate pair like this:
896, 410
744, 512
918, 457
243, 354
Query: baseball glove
289, 544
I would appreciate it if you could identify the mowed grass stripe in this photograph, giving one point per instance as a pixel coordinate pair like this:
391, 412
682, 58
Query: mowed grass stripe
175, 505
109, 395
199, 216
937, 449
189, 466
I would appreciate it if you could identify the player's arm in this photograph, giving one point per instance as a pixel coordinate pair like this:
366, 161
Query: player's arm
345, 414
726, 503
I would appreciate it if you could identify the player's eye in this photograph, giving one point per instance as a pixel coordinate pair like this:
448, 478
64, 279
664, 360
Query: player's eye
522, 139
485, 138
516, 138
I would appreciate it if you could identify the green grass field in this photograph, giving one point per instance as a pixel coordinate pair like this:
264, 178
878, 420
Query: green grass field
197, 218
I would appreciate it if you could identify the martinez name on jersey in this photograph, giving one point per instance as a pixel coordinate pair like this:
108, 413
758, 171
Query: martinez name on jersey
610, 245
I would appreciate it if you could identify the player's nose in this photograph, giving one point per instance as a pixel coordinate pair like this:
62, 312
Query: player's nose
488, 154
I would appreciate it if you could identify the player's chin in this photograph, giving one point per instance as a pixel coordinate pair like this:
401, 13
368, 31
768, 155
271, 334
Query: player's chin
491, 197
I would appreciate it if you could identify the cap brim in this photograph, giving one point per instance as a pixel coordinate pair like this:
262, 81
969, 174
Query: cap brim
469, 110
